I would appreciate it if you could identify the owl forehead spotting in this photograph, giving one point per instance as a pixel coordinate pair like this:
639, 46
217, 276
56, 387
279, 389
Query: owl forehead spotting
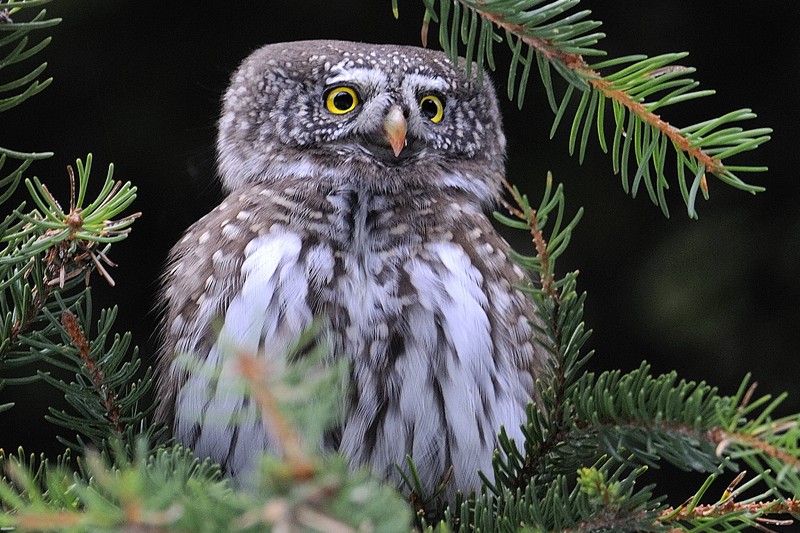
375, 117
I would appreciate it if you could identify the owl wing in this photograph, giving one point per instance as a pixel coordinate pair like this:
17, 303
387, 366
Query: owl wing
236, 284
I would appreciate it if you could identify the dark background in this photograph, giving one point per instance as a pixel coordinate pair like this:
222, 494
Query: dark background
138, 84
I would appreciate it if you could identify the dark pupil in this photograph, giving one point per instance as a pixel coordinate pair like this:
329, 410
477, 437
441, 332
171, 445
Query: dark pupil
429, 108
343, 100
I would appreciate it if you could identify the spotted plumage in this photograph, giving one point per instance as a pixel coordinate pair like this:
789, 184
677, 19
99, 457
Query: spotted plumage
358, 177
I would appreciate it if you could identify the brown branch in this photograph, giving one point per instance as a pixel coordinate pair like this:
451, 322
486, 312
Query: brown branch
544, 46
70, 323
726, 507
547, 282
712, 164
254, 372
546, 278
577, 64
717, 436
43, 520
723, 439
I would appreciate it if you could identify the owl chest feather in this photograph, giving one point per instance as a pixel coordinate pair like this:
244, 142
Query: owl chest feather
415, 307
439, 350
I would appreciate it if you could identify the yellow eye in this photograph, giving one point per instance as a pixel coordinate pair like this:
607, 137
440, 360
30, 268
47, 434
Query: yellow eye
432, 108
341, 100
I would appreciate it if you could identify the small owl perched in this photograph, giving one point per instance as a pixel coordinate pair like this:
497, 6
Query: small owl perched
358, 177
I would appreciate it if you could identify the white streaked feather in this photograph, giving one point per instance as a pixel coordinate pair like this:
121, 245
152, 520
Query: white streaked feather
274, 281
463, 309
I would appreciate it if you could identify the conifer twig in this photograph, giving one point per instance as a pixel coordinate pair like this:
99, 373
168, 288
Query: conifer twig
546, 276
730, 507
550, 305
254, 373
545, 35
723, 439
70, 323
578, 64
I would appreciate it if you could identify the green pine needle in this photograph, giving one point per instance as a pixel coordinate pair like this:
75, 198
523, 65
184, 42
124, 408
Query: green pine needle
557, 36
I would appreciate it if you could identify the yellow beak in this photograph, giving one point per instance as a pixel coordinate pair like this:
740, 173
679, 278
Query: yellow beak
394, 125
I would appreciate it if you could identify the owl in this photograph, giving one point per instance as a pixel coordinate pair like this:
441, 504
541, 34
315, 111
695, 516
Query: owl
358, 178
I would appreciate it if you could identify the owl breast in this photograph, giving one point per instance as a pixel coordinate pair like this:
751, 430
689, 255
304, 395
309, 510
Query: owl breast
416, 292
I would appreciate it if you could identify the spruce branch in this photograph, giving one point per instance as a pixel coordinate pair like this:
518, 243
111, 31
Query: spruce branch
50, 251
14, 40
628, 92
107, 393
168, 489
14, 48
289, 441
47, 253
754, 511
625, 419
601, 497
559, 308
79, 342
171, 490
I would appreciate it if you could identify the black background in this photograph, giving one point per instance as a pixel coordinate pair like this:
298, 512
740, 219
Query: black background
138, 84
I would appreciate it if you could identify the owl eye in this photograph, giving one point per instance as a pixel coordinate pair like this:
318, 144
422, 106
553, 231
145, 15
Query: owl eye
432, 108
341, 100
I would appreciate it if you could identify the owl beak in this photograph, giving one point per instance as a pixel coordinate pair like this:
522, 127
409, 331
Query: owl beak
394, 125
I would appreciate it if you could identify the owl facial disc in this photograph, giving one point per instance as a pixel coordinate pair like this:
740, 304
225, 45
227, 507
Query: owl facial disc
377, 117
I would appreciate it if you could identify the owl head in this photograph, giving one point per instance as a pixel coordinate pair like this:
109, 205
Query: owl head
375, 117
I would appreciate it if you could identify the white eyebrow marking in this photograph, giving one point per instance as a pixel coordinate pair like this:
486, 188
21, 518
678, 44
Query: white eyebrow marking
420, 83
364, 77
